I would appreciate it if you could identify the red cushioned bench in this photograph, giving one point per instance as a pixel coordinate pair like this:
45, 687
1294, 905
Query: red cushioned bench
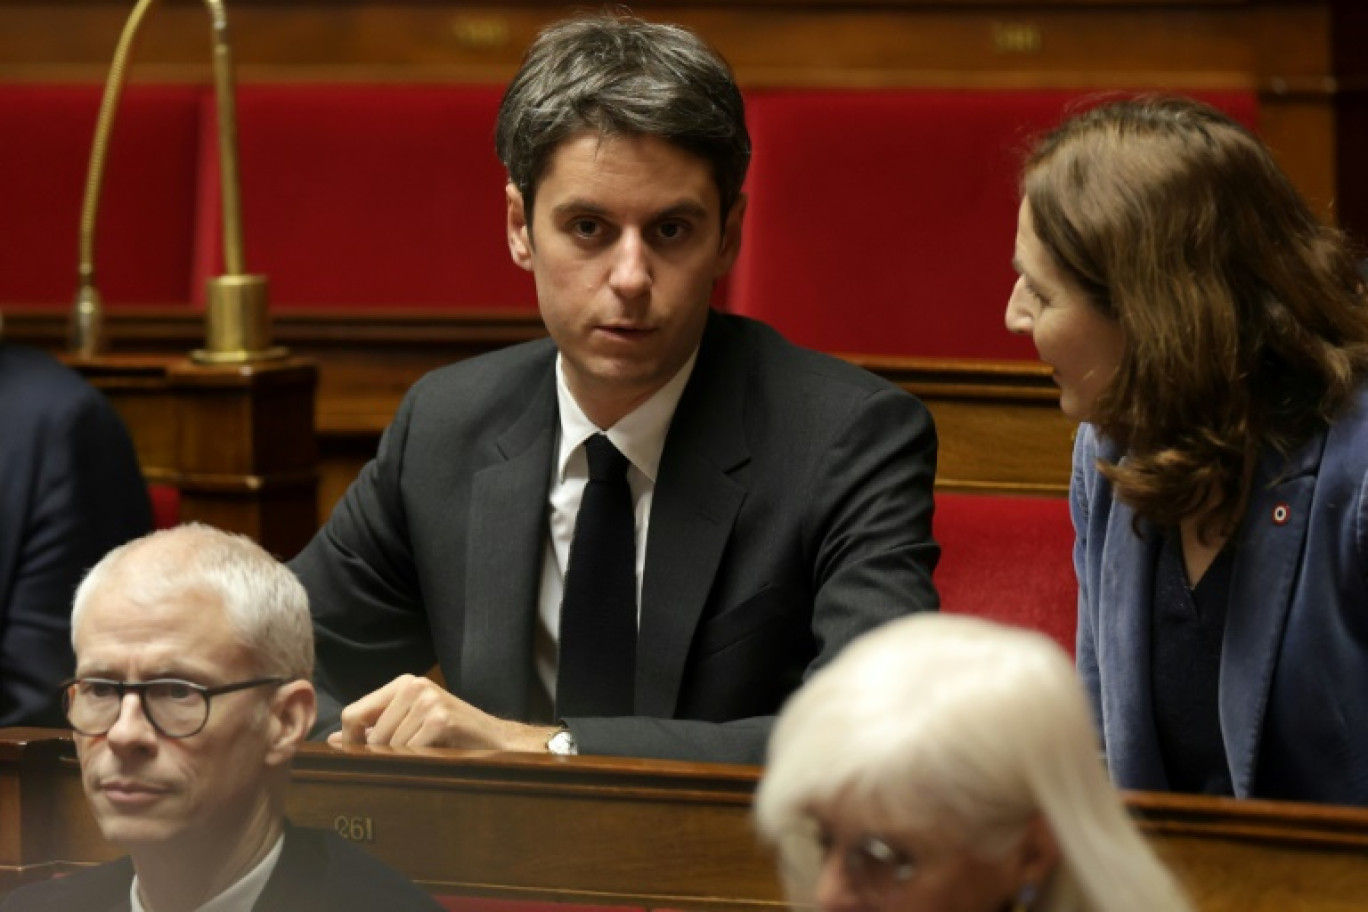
147, 215
165, 505
1009, 559
369, 196
146, 228
882, 222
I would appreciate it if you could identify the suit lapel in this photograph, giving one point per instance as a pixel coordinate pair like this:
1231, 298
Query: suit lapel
121, 871
1267, 559
297, 881
696, 500
504, 557
1125, 604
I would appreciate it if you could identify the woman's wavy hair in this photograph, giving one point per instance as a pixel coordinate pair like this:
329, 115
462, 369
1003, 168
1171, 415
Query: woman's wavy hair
1244, 316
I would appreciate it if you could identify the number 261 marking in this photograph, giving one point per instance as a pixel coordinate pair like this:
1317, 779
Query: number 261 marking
354, 829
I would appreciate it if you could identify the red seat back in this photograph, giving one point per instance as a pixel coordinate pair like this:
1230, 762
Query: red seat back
1009, 559
165, 505
144, 236
366, 195
882, 222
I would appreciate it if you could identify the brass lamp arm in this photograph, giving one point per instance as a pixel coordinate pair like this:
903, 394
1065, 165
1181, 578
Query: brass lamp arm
238, 316
86, 321
234, 260
104, 126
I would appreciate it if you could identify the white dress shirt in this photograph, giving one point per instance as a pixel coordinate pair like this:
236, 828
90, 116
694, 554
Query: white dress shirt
640, 436
240, 897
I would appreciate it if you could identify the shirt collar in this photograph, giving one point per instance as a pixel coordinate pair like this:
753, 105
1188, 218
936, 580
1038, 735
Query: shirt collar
639, 435
240, 897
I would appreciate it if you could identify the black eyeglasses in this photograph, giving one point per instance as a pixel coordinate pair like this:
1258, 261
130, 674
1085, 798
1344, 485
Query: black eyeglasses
871, 866
177, 709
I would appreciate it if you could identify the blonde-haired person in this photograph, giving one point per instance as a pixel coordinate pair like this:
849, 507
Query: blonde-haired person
949, 764
1212, 335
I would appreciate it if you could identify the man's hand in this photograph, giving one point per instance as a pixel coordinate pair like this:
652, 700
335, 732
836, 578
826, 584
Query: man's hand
415, 712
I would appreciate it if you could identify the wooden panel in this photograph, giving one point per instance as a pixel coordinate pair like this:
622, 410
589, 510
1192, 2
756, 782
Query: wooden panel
999, 423
1301, 133
246, 449
138, 389
241, 418
1097, 43
1260, 856
238, 441
646, 833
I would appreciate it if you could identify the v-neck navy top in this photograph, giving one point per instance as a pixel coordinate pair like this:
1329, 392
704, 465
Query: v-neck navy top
1186, 627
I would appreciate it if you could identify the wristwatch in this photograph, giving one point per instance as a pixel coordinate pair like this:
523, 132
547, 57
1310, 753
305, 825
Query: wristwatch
562, 744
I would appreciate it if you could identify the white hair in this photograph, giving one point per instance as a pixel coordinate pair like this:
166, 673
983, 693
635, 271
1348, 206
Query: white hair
266, 605
963, 723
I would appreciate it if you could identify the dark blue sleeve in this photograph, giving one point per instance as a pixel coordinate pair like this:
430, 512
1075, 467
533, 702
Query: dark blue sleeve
71, 491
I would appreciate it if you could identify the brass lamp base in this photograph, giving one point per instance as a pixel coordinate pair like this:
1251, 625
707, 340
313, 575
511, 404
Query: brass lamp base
241, 356
238, 328
86, 336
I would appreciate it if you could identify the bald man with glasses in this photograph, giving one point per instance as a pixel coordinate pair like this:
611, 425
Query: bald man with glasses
194, 653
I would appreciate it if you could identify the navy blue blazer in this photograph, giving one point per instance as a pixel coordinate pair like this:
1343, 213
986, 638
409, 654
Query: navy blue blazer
70, 490
1294, 658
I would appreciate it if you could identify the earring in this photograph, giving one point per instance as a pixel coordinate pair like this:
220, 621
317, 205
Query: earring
1025, 898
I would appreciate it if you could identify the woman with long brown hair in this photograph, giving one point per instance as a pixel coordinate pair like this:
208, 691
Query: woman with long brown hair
1212, 335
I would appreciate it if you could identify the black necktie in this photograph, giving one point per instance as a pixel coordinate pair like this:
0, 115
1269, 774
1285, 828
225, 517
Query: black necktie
596, 671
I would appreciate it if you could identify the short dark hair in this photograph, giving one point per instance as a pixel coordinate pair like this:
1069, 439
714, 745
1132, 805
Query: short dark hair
617, 75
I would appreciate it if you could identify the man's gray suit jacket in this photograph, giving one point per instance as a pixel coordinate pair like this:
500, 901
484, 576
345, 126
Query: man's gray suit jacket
792, 511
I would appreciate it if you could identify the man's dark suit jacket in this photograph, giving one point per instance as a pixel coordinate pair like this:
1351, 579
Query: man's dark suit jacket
317, 872
792, 511
70, 490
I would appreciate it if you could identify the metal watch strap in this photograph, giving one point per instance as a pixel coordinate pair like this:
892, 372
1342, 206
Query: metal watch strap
562, 744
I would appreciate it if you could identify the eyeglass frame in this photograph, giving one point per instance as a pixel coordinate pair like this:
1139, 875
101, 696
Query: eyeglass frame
141, 688
865, 862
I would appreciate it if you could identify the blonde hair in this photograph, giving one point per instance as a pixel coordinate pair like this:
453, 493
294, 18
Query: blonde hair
968, 724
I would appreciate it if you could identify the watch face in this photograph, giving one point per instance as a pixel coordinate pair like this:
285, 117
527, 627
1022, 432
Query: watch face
562, 743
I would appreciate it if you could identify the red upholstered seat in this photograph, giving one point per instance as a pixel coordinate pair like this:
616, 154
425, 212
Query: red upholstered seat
1009, 559
165, 505
361, 196
882, 222
145, 231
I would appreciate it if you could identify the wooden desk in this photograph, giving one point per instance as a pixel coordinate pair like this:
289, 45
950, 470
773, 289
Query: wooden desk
619, 831
645, 833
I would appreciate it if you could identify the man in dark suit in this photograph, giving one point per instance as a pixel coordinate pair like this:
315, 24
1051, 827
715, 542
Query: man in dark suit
70, 490
166, 629
780, 500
